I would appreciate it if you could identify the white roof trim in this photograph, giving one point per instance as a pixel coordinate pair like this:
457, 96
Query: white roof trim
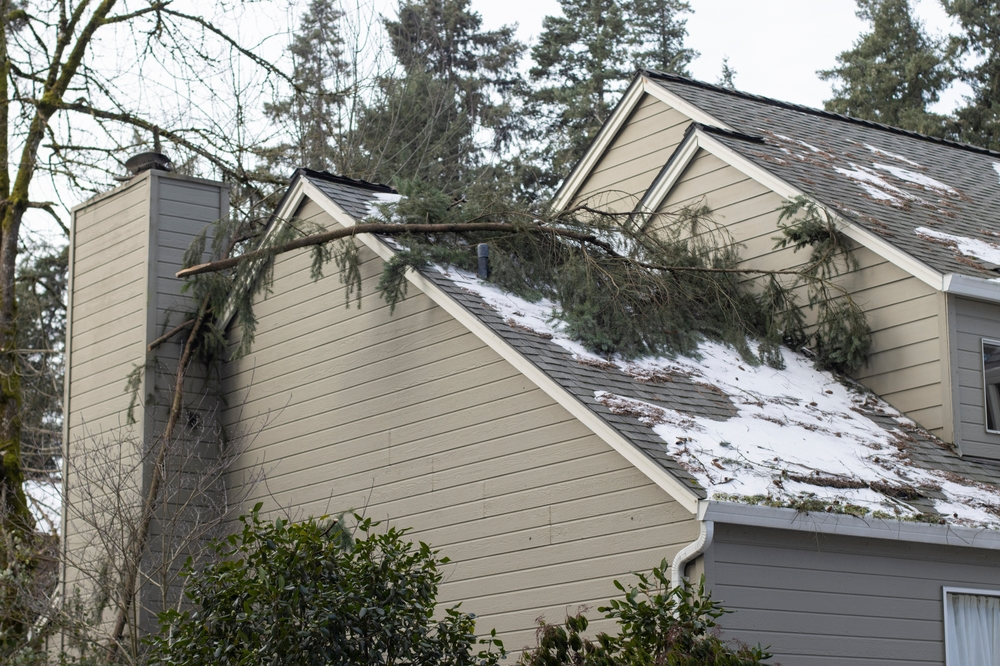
978, 288
846, 525
693, 112
673, 486
668, 176
701, 139
569, 187
293, 200
640, 85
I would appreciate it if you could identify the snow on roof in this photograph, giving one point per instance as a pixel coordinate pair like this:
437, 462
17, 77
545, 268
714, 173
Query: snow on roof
801, 437
970, 247
380, 200
881, 152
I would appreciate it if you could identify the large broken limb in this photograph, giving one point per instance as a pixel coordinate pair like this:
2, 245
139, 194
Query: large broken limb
383, 229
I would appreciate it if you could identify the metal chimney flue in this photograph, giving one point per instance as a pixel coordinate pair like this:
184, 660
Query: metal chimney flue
152, 161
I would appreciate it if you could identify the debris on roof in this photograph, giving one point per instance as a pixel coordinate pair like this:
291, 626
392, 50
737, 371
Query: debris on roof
970, 247
799, 437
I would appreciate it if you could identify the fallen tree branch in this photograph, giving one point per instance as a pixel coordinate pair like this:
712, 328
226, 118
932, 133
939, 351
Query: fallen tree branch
169, 334
383, 229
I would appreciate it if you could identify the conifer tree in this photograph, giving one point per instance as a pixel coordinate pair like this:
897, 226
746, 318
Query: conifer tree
727, 77
893, 73
312, 111
978, 122
584, 60
657, 35
450, 101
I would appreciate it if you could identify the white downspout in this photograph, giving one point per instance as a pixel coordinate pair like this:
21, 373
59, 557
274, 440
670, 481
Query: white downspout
692, 550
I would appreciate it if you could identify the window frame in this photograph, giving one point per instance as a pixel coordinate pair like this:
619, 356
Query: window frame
945, 591
982, 365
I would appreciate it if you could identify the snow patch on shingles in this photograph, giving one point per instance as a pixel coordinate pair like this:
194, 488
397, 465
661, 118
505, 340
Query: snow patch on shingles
793, 425
898, 158
918, 179
382, 198
876, 186
794, 422
996, 167
970, 247
796, 141
45, 503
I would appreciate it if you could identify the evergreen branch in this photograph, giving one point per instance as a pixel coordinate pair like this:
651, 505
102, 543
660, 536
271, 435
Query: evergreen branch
391, 230
169, 334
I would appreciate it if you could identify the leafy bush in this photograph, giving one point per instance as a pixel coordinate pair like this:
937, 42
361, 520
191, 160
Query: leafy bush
659, 625
285, 593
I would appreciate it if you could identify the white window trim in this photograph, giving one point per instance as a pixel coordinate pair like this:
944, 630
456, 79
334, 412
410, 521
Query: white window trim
945, 591
982, 365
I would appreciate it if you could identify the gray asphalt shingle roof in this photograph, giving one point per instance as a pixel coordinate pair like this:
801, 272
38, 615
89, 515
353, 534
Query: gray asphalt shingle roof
678, 391
806, 148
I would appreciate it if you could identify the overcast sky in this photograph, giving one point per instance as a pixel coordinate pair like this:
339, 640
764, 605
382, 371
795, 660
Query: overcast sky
775, 46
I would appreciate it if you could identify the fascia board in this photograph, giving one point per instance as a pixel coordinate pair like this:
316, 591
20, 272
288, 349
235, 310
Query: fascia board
846, 525
599, 145
684, 496
292, 201
889, 252
695, 113
976, 288
668, 176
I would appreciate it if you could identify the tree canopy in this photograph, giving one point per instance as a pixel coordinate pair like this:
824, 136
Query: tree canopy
893, 73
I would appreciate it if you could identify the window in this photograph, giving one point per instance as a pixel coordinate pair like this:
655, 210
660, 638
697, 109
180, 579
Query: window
972, 627
991, 383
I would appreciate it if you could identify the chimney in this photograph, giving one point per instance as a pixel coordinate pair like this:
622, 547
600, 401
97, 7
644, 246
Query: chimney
125, 247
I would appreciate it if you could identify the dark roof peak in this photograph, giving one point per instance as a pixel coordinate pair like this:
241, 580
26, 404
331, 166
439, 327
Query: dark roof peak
816, 112
343, 180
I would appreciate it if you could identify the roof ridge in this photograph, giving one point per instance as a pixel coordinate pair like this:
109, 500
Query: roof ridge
343, 180
818, 112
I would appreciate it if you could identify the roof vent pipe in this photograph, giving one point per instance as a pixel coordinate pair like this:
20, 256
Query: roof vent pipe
483, 250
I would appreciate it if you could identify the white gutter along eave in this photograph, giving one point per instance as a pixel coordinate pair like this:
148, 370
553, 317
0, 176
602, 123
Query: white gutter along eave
977, 288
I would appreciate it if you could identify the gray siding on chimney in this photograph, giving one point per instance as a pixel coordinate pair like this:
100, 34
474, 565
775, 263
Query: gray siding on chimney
821, 599
973, 321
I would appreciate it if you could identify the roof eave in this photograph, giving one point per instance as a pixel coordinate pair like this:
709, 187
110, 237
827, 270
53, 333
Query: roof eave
847, 525
673, 486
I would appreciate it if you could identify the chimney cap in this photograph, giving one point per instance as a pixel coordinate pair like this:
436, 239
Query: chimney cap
147, 162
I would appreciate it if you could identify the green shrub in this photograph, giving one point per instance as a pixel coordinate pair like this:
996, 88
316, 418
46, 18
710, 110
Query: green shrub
658, 625
284, 593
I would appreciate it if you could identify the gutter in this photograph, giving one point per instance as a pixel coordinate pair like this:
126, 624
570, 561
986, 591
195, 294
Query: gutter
847, 525
971, 287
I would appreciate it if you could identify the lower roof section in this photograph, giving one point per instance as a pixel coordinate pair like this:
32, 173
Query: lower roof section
848, 525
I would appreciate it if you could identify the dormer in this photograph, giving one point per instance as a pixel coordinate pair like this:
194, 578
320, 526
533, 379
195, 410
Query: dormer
920, 213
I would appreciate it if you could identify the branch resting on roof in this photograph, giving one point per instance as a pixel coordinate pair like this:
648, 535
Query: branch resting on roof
383, 229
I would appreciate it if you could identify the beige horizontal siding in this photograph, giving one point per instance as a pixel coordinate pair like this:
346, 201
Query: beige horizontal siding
411, 418
824, 599
635, 156
106, 337
905, 367
974, 321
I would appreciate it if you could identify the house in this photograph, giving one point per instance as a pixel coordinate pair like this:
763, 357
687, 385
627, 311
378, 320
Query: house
842, 526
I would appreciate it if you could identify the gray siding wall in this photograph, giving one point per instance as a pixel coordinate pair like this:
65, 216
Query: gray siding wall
905, 366
629, 165
821, 599
125, 247
971, 322
412, 419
